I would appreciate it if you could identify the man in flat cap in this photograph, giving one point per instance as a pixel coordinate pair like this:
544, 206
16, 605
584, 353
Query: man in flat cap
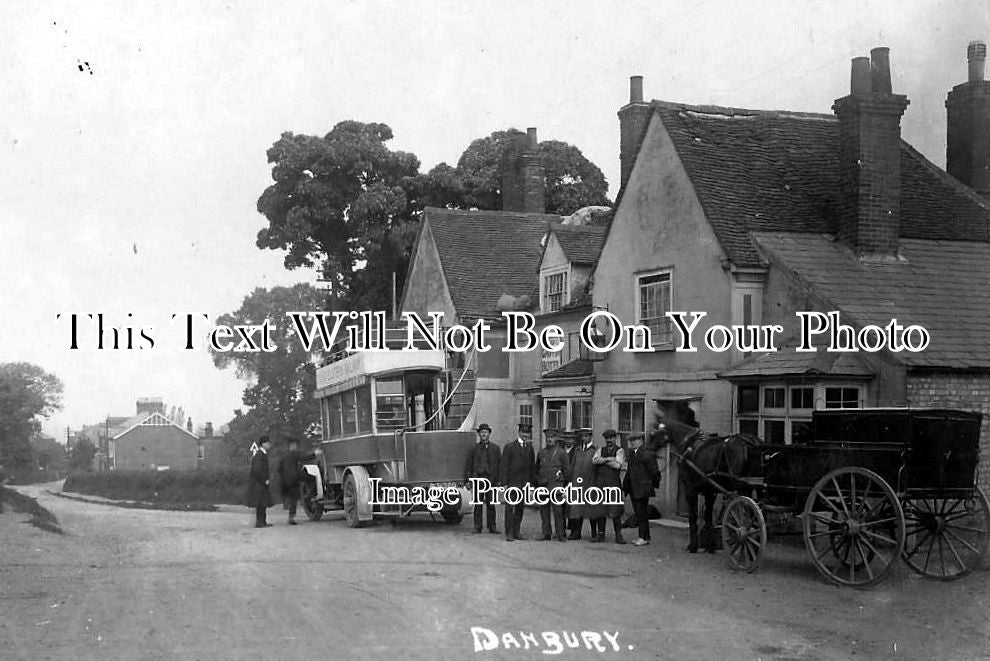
552, 471
609, 462
484, 463
583, 477
517, 470
639, 484
290, 474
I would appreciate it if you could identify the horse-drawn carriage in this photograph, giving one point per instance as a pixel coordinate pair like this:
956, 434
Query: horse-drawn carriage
871, 485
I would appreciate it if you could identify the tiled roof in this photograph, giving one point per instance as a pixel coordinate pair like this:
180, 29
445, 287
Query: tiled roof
581, 243
485, 254
575, 368
787, 362
943, 286
778, 171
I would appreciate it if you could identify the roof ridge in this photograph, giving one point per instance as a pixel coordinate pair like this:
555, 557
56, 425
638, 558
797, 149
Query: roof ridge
711, 109
945, 177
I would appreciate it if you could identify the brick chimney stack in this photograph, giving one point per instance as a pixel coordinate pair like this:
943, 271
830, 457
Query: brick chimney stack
870, 158
523, 175
967, 153
634, 117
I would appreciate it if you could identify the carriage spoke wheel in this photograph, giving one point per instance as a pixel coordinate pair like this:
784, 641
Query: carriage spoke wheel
313, 509
946, 536
351, 502
853, 526
744, 533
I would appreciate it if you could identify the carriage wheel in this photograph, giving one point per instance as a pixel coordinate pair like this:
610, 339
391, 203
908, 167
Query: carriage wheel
853, 526
313, 508
744, 533
350, 502
946, 537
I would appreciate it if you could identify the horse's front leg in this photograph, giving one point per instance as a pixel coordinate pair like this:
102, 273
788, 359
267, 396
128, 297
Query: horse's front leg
692, 498
710, 539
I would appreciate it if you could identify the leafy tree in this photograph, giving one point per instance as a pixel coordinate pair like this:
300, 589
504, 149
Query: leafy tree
336, 200
81, 455
280, 399
346, 203
572, 180
27, 393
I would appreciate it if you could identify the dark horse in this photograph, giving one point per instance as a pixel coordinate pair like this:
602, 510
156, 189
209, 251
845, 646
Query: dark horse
704, 460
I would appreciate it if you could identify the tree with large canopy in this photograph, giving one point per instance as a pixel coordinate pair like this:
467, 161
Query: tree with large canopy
27, 393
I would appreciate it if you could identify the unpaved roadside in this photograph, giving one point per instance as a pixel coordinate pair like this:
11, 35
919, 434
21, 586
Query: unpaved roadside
135, 584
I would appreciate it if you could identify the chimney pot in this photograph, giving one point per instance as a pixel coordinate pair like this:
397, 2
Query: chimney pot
976, 53
880, 70
531, 142
635, 89
860, 80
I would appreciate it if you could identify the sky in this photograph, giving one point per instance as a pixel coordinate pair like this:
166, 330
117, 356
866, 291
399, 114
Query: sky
133, 135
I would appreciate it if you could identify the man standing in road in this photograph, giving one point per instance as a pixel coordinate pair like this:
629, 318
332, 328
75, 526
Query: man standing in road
609, 462
289, 472
259, 497
552, 470
516, 470
583, 477
484, 463
639, 480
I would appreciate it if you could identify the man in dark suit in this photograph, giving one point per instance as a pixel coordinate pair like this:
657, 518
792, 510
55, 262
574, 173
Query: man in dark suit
640, 475
289, 470
552, 470
259, 497
484, 463
516, 470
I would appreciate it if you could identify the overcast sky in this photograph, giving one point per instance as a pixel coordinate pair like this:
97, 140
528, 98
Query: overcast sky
129, 186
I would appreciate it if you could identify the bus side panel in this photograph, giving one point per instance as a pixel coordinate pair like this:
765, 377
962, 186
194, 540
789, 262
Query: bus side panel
437, 456
360, 450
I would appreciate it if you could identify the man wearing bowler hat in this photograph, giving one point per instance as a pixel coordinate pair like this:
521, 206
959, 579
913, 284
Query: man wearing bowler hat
516, 470
484, 463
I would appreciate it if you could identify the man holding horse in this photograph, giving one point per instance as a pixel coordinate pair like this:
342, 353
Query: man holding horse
640, 477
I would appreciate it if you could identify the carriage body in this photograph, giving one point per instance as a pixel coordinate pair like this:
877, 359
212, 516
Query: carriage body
872, 484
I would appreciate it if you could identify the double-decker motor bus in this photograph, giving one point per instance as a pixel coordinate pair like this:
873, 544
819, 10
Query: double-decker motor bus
395, 418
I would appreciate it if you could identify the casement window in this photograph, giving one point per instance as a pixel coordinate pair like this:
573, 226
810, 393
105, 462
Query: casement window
555, 292
781, 413
630, 417
390, 408
653, 300
550, 360
526, 414
567, 414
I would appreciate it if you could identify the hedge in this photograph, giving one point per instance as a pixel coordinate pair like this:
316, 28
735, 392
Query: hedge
201, 486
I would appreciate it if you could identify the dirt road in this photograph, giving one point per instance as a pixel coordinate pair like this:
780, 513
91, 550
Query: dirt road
136, 584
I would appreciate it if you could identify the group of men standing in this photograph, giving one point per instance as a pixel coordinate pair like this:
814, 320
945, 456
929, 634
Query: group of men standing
566, 461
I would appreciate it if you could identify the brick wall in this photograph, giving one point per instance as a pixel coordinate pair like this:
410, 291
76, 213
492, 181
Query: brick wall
968, 392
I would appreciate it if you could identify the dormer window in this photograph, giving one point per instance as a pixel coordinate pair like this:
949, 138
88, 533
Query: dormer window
555, 290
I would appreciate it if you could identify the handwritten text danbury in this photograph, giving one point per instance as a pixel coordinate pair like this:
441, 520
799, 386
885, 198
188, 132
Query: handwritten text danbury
551, 642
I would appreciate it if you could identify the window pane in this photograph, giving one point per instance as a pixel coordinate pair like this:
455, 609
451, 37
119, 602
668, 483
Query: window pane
335, 428
390, 413
841, 398
526, 414
580, 414
631, 418
773, 431
749, 399
557, 414
749, 426
802, 397
550, 361
654, 301
349, 411
555, 291
773, 398
363, 397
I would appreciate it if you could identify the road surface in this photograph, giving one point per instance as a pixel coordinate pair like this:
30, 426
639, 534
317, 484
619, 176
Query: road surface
141, 584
